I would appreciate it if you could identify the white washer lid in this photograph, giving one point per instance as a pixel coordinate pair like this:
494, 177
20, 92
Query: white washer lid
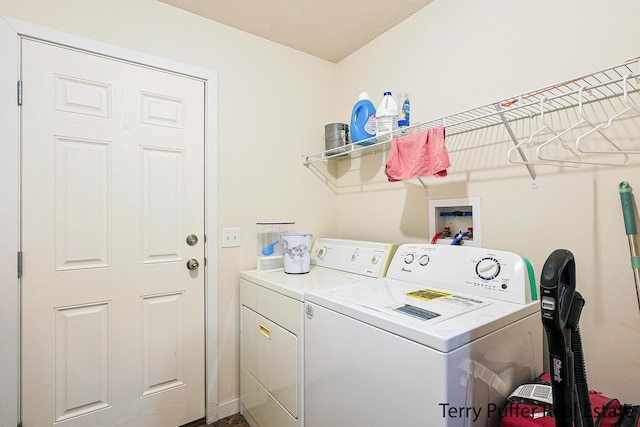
451, 319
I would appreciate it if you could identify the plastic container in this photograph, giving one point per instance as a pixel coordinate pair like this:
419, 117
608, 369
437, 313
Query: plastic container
363, 119
387, 116
404, 110
269, 244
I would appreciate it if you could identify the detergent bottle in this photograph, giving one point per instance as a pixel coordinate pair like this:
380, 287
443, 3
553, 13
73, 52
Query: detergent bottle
363, 119
387, 115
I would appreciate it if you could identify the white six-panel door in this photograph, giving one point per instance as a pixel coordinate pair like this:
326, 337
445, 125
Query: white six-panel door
112, 185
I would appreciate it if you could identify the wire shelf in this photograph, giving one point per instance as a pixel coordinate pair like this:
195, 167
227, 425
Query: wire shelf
614, 82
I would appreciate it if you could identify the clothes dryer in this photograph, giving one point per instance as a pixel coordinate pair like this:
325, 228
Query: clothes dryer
440, 341
272, 325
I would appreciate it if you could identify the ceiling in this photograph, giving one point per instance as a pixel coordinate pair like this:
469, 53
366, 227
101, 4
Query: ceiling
327, 29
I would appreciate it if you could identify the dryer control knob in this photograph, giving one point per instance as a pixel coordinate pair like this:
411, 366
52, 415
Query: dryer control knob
374, 260
320, 253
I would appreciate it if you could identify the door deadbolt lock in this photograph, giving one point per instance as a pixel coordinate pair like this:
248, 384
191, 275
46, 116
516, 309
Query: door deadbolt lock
193, 264
192, 240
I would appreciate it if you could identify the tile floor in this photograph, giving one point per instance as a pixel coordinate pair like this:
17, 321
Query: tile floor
235, 420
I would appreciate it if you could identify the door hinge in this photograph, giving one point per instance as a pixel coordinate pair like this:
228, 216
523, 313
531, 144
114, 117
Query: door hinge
19, 92
19, 265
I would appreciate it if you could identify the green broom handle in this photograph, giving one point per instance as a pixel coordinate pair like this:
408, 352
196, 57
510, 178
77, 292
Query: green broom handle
630, 226
627, 208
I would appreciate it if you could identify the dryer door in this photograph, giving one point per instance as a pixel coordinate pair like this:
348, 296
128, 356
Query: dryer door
270, 355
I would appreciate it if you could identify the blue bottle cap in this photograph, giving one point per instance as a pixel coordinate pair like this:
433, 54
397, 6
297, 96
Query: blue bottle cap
387, 93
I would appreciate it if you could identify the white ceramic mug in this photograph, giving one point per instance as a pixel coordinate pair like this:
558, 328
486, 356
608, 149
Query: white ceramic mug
296, 248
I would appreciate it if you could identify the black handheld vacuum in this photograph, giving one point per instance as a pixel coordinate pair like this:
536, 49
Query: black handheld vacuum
561, 307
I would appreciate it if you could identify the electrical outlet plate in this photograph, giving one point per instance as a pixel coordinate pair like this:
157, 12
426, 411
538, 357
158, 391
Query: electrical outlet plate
230, 237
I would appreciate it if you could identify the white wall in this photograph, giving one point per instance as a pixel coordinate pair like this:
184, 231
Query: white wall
453, 55
458, 54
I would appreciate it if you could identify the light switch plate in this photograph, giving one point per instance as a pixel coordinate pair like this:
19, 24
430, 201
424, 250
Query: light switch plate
230, 237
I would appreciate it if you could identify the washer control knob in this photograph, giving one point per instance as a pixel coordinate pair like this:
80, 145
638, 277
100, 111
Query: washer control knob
424, 260
488, 268
374, 260
408, 258
354, 256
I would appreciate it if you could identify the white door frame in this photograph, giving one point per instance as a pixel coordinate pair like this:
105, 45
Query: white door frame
11, 31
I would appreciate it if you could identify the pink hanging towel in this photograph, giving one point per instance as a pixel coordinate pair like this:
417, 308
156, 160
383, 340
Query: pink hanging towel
419, 154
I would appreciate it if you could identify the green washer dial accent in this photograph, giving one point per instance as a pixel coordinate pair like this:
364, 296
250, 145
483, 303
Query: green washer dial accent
532, 279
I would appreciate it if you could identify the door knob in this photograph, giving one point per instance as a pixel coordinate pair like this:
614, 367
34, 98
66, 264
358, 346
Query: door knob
193, 264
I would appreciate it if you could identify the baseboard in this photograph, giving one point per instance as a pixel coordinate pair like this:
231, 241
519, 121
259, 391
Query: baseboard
228, 408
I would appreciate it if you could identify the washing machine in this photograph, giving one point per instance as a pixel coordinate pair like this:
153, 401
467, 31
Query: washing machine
442, 340
272, 325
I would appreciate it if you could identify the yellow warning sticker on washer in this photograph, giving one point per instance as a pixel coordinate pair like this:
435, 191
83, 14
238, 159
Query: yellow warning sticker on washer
428, 294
